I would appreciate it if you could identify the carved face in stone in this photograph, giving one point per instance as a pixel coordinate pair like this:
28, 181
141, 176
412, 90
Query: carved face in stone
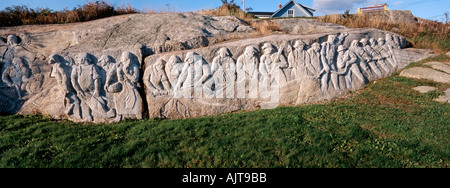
105, 60
190, 57
159, 65
250, 51
84, 59
381, 41
224, 52
13, 40
341, 49
363, 42
174, 59
268, 48
355, 44
331, 39
18, 63
315, 47
300, 45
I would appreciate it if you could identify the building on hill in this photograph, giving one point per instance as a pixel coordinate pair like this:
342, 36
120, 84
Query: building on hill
290, 9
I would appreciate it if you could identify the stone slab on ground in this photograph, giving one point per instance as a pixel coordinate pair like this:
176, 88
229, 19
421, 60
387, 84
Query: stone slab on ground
439, 66
426, 73
424, 89
444, 98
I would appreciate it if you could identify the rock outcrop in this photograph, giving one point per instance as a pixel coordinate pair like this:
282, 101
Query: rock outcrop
173, 66
266, 72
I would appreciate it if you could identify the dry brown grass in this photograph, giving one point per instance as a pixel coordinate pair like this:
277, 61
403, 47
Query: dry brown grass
227, 10
22, 15
426, 34
264, 27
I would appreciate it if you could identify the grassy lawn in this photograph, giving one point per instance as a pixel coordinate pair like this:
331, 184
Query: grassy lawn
387, 124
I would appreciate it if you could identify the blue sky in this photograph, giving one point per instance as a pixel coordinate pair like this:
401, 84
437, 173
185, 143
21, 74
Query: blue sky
430, 9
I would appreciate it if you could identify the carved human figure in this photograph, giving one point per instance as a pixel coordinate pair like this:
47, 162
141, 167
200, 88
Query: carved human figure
3, 49
16, 75
173, 69
107, 65
299, 60
390, 40
362, 55
128, 102
247, 69
223, 70
8, 54
371, 56
347, 64
357, 65
155, 79
397, 41
86, 80
328, 48
62, 70
387, 54
379, 59
194, 74
328, 53
315, 60
270, 69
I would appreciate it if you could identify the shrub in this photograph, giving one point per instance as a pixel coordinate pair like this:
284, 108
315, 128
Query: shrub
22, 15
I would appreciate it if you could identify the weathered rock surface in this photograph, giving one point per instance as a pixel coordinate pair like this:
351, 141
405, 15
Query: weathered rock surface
445, 98
439, 66
300, 68
426, 73
306, 26
173, 66
159, 33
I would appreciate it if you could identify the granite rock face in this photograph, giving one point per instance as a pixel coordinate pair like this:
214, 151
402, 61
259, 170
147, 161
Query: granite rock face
271, 71
173, 66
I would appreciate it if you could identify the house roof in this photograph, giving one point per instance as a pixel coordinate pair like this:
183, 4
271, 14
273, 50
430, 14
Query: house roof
300, 6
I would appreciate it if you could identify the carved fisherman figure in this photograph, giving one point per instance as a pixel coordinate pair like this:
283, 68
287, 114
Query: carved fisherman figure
155, 79
86, 80
173, 69
247, 69
299, 60
194, 74
62, 70
370, 57
270, 69
378, 58
315, 60
16, 75
223, 70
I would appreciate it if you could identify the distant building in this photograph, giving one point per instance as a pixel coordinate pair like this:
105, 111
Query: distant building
290, 9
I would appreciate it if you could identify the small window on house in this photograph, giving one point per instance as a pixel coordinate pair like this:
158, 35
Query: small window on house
291, 13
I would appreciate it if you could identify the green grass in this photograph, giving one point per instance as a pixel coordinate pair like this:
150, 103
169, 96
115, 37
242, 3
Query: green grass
386, 125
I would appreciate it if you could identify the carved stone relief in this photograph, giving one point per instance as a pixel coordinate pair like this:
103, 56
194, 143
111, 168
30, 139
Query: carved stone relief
257, 74
98, 91
263, 74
